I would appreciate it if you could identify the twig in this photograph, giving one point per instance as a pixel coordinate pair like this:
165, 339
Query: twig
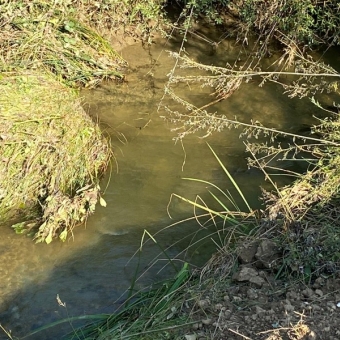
235, 332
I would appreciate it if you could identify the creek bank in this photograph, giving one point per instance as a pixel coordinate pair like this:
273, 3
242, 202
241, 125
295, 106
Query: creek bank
53, 156
45, 44
53, 153
257, 305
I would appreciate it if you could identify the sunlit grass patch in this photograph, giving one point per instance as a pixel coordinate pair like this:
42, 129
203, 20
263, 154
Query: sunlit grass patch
53, 36
51, 156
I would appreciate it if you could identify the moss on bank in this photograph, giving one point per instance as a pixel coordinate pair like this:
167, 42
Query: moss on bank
52, 156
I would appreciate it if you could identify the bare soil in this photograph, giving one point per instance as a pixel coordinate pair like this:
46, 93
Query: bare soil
255, 305
248, 312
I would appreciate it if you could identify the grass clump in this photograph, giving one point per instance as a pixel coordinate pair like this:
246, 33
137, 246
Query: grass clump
307, 21
152, 314
52, 36
301, 22
52, 155
307, 212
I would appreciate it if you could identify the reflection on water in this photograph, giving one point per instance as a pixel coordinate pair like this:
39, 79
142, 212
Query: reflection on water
89, 272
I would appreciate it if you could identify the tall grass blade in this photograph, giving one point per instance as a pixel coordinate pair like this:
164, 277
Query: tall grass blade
221, 203
224, 193
160, 247
231, 178
207, 209
181, 278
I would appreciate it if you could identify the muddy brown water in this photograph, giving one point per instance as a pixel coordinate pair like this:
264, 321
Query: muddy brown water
91, 271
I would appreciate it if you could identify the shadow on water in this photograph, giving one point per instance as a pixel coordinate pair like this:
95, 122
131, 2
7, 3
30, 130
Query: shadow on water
89, 273
91, 281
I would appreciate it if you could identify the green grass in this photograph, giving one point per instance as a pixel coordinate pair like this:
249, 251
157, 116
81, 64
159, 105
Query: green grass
51, 36
148, 314
72, 39
52, 157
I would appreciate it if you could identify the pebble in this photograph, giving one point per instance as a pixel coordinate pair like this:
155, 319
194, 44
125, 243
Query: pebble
259, 310
203, 303
257, 281
237, 298
331, 305
319, 292
190, 337
288, 308
227, 314
219, 306
207, 322
319, 282
307, 293
252, 294
293, 295
312, 336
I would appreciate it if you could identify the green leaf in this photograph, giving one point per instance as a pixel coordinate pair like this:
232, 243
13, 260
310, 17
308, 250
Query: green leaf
19, 227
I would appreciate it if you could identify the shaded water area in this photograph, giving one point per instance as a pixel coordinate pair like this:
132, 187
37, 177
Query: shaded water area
91, 271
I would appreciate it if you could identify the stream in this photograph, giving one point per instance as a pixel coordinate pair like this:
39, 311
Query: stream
91, 271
